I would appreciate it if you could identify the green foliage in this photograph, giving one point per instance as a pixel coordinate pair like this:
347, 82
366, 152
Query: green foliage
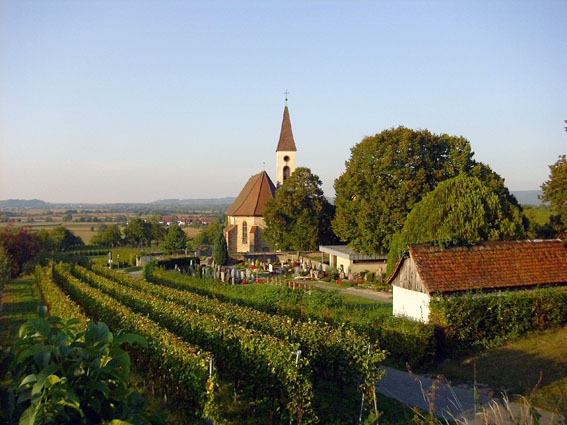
243, 352
201, 239
167, 359
69, 376
20, 246
387, 174
158, 231
220, 250
57, 302
62, 239
555, 192
406, 340
108, 236
459, 211
484, 320
299, 217
5, 265
334, 353
175, 240
138, 232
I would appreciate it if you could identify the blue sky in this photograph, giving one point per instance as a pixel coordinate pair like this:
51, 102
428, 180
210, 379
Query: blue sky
133, 101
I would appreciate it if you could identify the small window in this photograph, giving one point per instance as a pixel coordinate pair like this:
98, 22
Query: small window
285, 172
244, 232
286, 158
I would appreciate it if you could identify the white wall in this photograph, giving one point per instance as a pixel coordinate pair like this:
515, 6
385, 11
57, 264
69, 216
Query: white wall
411, 304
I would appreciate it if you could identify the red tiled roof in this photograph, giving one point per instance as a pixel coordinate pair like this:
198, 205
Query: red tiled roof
253, 197
286, 142
491, 265
253, 229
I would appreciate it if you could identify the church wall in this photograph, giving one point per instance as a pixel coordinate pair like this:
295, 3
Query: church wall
231, 240
250, 221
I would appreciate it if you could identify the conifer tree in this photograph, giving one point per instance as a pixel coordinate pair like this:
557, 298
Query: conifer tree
220, 251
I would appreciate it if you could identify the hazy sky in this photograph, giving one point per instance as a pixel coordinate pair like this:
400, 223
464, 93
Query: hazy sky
133, 101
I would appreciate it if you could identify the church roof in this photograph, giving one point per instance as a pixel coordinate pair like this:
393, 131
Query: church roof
253, 197
286, 142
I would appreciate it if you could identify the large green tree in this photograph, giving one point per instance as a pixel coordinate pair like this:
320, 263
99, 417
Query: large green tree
108, 236
138, 232
459, 211
555, 192
20, 246
387, 174
299, 216
63, 239
175, 239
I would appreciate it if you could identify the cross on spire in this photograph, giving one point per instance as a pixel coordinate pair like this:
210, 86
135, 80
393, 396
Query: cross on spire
286, 93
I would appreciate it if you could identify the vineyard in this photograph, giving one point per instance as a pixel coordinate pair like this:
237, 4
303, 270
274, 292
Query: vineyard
223, 361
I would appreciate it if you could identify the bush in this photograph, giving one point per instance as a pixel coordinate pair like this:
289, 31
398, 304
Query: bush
65, 375
484, 320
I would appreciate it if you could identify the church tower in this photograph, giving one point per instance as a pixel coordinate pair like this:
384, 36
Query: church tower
286, 150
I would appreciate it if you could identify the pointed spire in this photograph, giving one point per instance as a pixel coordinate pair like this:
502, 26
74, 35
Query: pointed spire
286, 142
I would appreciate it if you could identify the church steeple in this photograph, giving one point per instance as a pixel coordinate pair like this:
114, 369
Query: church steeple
286, 150
286, 142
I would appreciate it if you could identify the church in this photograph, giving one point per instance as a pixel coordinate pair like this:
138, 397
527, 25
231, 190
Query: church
244, 217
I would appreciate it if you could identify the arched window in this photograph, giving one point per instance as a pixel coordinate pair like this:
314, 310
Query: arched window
244, 232
285, 172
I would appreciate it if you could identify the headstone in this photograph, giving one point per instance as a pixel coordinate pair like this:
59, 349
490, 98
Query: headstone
248, 274
222, 276
270, 268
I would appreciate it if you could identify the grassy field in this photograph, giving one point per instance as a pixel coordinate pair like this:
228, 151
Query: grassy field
86, 230
539, 215
518, 366
83, 230
20, 299
191, 232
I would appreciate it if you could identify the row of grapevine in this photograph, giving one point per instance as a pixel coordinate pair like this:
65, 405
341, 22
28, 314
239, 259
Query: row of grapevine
273, 364
337, 353
57, 302
182, 367
407, 341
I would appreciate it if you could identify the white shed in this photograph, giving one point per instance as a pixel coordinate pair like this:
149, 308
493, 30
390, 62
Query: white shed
490, 266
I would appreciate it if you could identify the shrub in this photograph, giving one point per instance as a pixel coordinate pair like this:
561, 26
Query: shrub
487, 319
65, 375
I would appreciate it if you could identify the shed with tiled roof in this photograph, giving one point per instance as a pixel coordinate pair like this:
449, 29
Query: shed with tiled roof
490, 266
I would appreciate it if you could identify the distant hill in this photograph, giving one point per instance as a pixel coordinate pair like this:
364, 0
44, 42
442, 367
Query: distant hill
195, 202
22, 203
527, 197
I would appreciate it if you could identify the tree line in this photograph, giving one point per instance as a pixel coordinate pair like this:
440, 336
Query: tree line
405, 186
